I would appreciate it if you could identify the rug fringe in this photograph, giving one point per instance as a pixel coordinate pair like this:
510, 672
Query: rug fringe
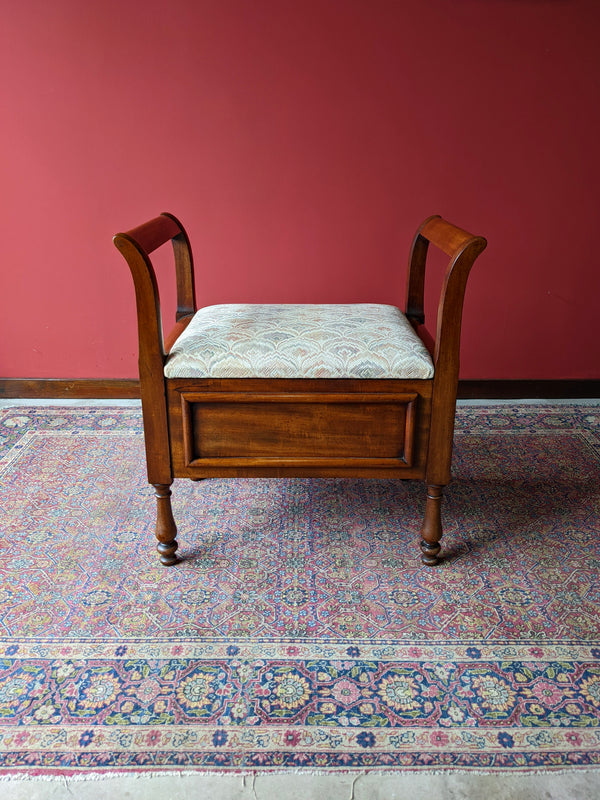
404, 773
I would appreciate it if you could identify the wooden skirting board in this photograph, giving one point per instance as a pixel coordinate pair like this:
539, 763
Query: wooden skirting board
129, 389
76, 389
528, 389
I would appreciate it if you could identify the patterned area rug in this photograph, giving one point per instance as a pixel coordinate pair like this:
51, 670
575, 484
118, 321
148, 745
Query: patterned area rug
300, 630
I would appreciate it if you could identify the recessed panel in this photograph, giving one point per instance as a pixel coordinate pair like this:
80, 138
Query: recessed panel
317, 428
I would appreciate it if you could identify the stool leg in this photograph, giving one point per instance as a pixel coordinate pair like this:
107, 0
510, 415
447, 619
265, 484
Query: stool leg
431, 532
166, 530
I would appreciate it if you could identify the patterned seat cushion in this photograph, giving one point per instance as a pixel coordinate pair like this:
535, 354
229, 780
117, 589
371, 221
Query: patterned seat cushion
364, 340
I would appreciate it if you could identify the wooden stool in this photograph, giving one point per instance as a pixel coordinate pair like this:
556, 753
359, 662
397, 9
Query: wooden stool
348, 390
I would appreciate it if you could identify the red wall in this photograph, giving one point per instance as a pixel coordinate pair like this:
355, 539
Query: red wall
302, 142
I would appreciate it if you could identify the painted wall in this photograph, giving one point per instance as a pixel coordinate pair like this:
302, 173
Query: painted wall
302, 142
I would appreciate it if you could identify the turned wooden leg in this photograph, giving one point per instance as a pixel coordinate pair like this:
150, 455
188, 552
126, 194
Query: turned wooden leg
166, 530
431, 532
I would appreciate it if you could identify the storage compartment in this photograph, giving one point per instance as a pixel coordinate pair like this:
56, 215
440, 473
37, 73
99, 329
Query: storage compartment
295, 429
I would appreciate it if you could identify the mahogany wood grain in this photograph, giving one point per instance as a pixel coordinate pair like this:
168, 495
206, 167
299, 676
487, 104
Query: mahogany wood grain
431, 532
298, 428
176, 332
446, 357
415, 287
166, 530
184, 272
445, 235
152, 234
74, 388
334, 451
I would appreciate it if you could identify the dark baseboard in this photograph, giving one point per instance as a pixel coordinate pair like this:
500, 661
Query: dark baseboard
528, 390
77, 389
129, 389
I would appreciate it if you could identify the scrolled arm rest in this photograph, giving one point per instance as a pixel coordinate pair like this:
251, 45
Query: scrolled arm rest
450, 308
463, 248
443, 234
152, 234
136, 245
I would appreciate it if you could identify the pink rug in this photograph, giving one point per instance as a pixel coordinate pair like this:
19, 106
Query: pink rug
300, 630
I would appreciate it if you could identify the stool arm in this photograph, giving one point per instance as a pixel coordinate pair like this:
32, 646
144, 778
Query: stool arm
463, 248
136, 245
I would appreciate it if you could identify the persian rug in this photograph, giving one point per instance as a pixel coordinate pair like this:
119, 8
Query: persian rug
300, 630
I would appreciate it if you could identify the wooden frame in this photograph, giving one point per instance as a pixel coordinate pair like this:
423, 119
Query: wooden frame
129, 388
244, 427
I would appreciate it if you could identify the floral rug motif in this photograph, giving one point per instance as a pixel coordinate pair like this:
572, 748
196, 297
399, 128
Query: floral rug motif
300, 629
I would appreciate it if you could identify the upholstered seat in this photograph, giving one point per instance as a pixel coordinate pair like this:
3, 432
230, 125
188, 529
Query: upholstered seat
362, 340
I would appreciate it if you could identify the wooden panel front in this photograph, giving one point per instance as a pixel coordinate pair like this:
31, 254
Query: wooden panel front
250, 427
297, 429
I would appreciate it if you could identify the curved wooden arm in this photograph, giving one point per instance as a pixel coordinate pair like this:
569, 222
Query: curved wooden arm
184, 271
463, 248
152, 234
136, 245
450, 308
415, 289
150, 331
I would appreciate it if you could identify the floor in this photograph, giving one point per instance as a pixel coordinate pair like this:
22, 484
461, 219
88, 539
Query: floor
547, 786
570, 785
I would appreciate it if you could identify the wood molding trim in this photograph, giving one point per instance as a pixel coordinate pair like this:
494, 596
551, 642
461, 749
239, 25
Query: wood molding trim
528, 389
77, 389
129, 389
